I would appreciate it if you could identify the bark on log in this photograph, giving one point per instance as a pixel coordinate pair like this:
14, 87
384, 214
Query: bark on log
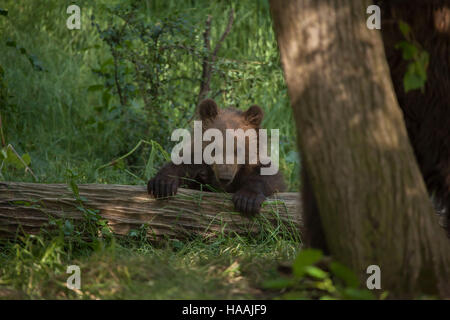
190, 213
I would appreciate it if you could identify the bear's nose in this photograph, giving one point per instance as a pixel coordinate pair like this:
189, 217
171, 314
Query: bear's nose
225, 173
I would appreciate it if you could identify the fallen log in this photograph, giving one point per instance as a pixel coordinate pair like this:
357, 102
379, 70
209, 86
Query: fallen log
30, 206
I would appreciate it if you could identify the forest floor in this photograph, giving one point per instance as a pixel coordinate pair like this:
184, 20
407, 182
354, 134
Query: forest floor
63, 119
225, 268
62, 114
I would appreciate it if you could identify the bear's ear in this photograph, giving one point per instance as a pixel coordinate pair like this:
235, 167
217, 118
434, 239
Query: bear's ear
208, 109
254, 115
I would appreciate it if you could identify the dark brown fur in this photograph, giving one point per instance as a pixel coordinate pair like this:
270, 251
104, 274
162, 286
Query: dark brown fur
250, 188
427, 115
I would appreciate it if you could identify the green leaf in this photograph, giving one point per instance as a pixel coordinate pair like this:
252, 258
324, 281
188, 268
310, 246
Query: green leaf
95, 87
4, 153
26, 158
357, 294
405, 29
344, 273
422, 64
316, 272
22, 203
119, 164
106, 97
409, 51
13, 159
68, 228
105, 64
277, 284
3, 12
326, 285
106, 231
133, 233
73, 186
384, 295
305, 258
414, 78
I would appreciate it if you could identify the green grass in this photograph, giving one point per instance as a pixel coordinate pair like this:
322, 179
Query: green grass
51, 115
227, 268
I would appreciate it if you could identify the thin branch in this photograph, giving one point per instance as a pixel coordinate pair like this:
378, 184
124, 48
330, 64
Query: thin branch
27, 168
206, 67
114, 52
1, 132
209, 58
224, 35
116, 78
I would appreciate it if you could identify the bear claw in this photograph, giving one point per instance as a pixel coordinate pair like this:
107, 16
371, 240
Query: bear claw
248, 202
162, 187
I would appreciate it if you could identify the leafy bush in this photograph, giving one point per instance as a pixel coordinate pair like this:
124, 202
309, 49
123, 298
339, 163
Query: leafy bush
313, 276
416, 74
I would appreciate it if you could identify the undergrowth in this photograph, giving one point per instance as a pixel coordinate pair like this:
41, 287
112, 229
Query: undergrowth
62, 119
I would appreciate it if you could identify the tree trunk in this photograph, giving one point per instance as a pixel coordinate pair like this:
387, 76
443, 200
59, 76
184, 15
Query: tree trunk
371, 198
28, 206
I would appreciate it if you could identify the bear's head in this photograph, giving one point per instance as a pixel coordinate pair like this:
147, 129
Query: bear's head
244, 127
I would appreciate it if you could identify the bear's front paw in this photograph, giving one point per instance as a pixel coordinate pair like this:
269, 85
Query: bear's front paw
248, 202
163, 186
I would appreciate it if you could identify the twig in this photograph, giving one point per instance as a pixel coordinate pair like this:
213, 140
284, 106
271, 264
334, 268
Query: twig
116, 79
112, 163
210, 57
224, 35
151, 143
1, 132
206, 67
122, 98
27, 168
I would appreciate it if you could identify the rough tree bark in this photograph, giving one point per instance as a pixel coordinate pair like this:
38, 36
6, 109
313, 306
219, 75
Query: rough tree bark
372, 201
28, 206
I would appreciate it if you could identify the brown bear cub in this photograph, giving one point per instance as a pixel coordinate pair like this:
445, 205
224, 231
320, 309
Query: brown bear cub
245, 180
